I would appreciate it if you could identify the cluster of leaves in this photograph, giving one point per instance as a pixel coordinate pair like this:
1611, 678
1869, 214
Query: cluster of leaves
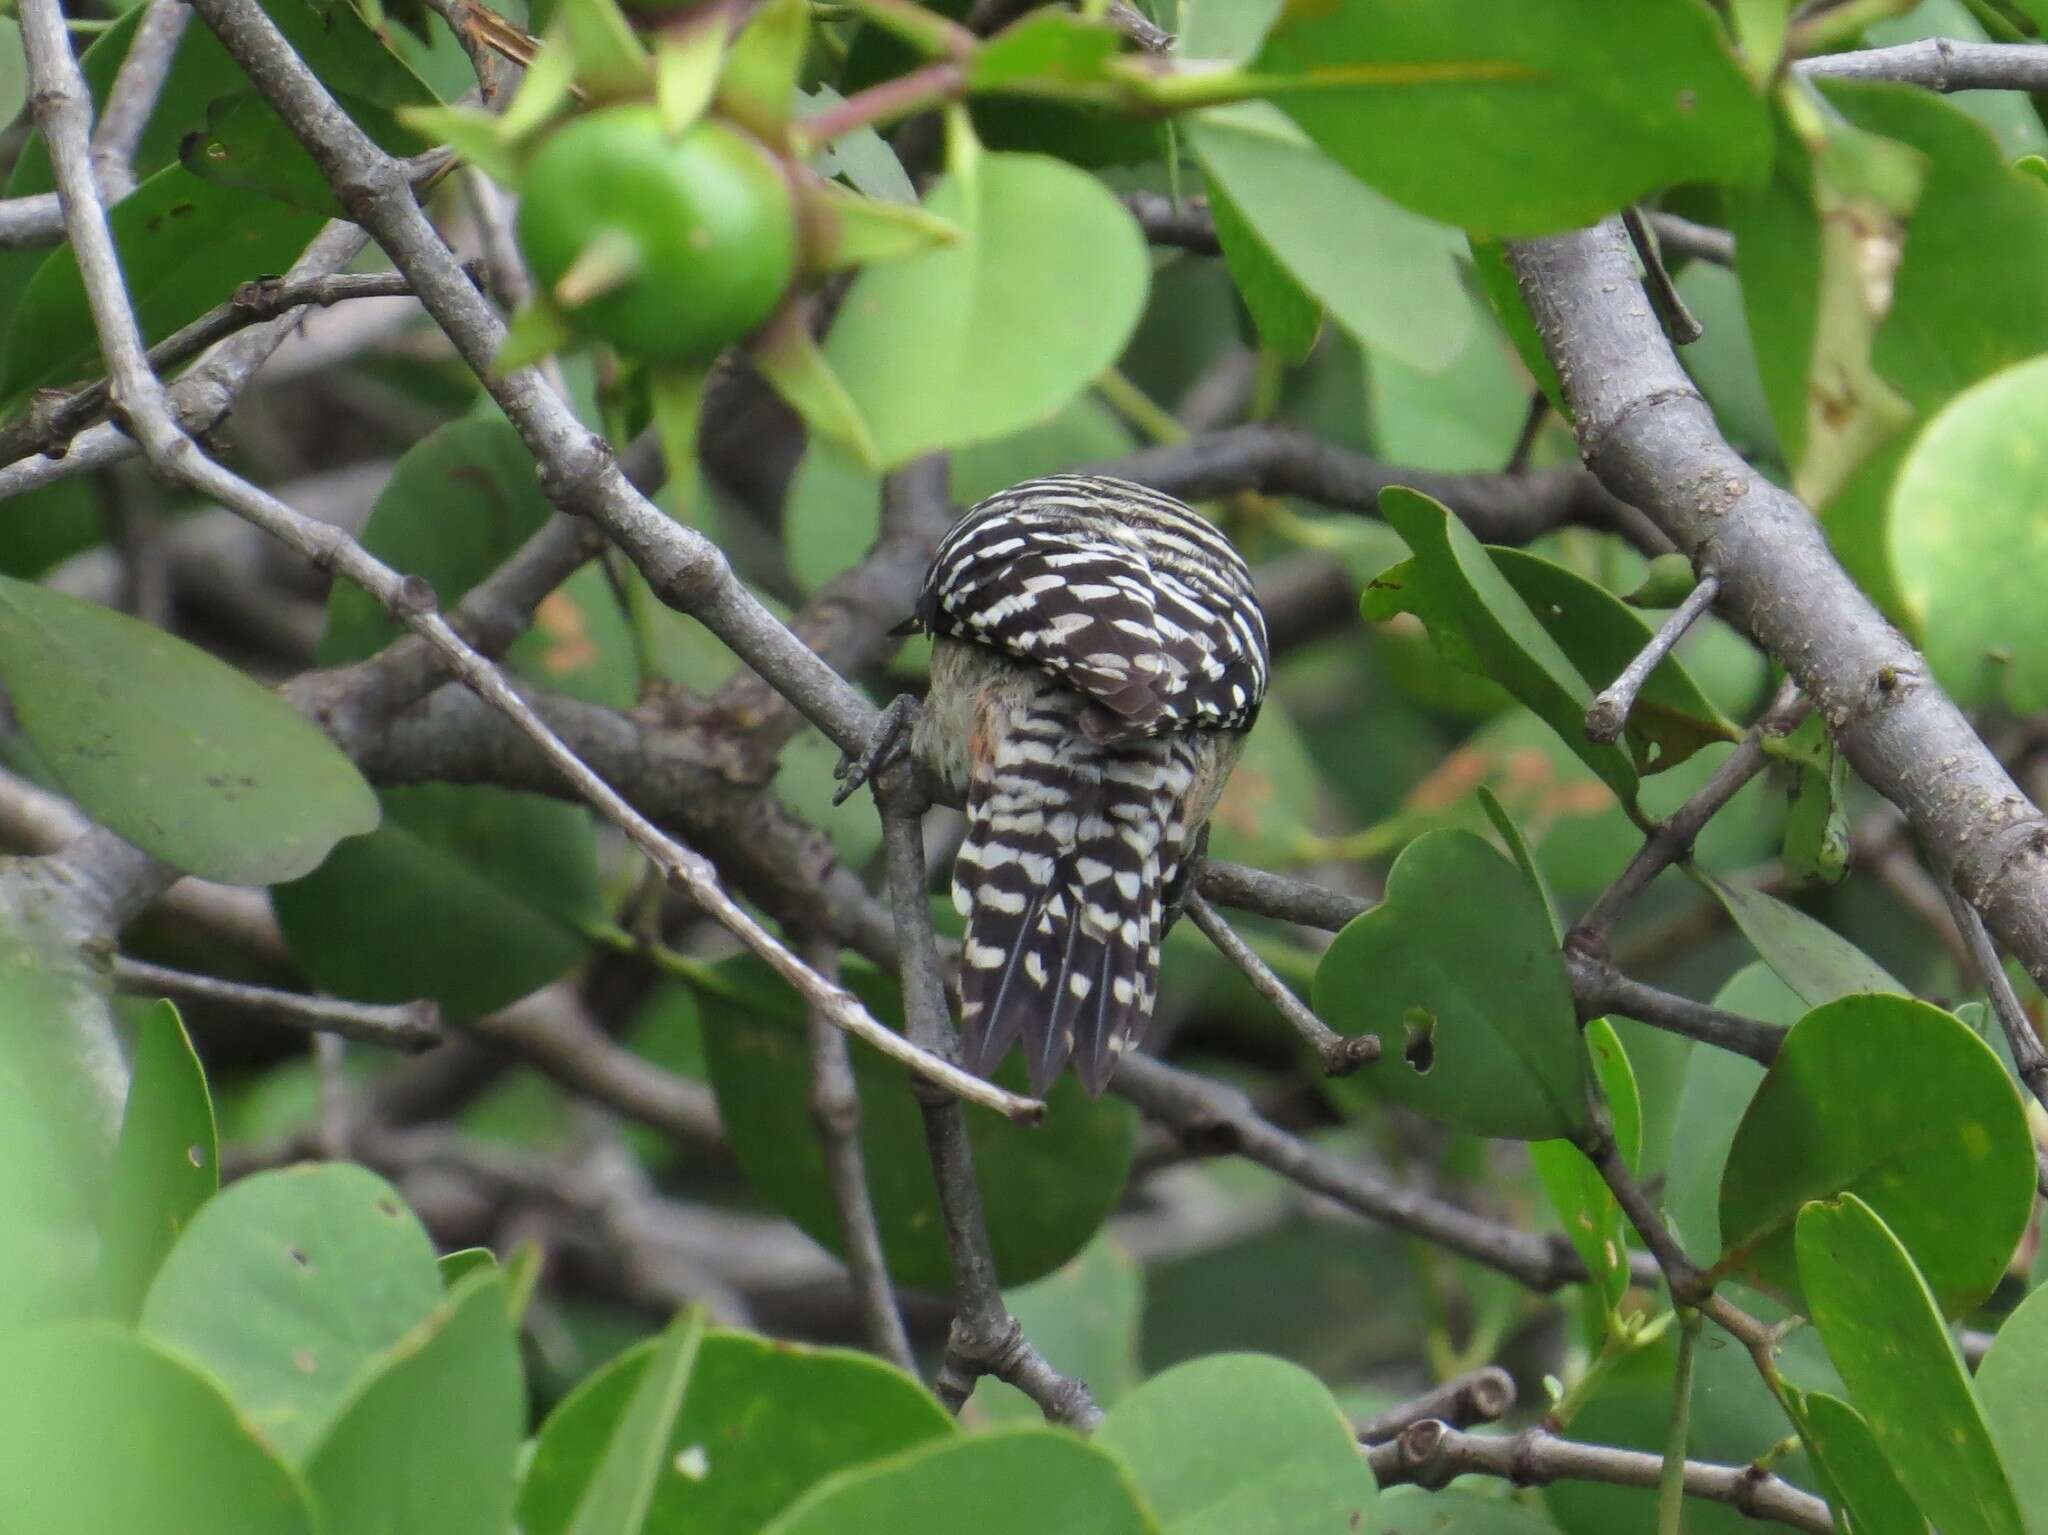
289, 1355
1877, 344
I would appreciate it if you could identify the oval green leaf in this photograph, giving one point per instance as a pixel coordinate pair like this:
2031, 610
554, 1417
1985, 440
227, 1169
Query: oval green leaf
1719, 1085
1886, 1336
981, 339
1859, 1479
1385, 275
166, 1165
1242, 1444
1814, 960
761, 1423
427, 1444
1459, 974
470, 895
1046, 1190
1016, 1481
174, 751
118, 1435
2009, 1381
286, 1286
1603, 100
1965, 510
1901, 1104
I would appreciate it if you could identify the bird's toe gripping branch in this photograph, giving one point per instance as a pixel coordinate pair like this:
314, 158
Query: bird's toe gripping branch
889, 740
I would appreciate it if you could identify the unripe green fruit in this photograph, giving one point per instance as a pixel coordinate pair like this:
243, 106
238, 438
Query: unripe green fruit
675, 247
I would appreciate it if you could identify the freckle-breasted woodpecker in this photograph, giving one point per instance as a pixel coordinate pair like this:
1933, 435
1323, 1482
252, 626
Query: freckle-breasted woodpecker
1098, 655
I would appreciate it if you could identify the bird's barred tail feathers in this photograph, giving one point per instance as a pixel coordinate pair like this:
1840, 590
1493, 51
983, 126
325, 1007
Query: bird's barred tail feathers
1070, 848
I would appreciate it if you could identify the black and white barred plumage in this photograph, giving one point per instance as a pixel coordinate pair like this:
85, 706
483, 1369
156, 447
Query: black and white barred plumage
1098, 654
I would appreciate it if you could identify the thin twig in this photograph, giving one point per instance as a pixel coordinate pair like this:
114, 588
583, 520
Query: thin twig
1599, 988
1431, 1454
984, 1338
29, 222
1339, 1055
835, 1110
133, 97
1940, 64
1680, 323
1701, 242
51, 423
1220, 1120
1611, 707
1484, 1395
406, 1026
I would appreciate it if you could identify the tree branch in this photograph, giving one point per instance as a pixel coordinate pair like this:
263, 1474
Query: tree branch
1940, 64
1650, 437
406, 1026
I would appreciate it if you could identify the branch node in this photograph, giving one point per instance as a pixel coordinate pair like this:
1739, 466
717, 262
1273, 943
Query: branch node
1609, 713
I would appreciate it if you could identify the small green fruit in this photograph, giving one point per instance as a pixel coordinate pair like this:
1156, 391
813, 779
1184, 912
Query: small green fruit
670, 248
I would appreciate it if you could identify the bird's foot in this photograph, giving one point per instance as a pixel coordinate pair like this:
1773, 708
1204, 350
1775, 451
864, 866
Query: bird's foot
889, 740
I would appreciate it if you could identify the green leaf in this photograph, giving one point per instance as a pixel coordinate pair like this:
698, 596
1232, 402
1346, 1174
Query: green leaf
1817, 825
1044, 46
1899, 1103
118, 1435
1051, 279
167, 1163
2009, 1384
473, 896
1815, 961
13, 71
464, 1261
1885, 1334
849, 230
1719, 1085
459, 503
189, 244
427, 1443
1453, 1511
1242, 1444
758, 87
1459, 974
620, 1492
1386, 276
833, 511
1504, 297
1550, 637
1587, 1210
1046, 1190
1860, 1480
1084, 1317
863, 156
1964, 510
287, 1285
172, 750
1604, 100
762, 1422
1017, 1481
1816, 246
1288, 320
247, 147
1519, 850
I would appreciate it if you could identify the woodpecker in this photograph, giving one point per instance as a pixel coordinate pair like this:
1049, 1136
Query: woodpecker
1098, 654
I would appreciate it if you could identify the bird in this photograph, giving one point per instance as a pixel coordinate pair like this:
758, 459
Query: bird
1098, 655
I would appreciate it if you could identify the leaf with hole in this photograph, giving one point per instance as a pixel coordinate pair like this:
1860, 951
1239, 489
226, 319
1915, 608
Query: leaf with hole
286, 1286
1046, 1190
762, 1422
1885, 1334
171, 749
166, 1165
1242, 1444
1459, 974
1899, 1103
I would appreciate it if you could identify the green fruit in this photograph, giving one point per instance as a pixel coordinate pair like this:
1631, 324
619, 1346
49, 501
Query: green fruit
670, 248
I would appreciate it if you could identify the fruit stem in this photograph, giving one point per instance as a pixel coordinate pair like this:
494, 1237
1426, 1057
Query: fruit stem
607, 263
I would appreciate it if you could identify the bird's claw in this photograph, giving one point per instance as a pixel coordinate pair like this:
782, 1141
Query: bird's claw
889, 739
